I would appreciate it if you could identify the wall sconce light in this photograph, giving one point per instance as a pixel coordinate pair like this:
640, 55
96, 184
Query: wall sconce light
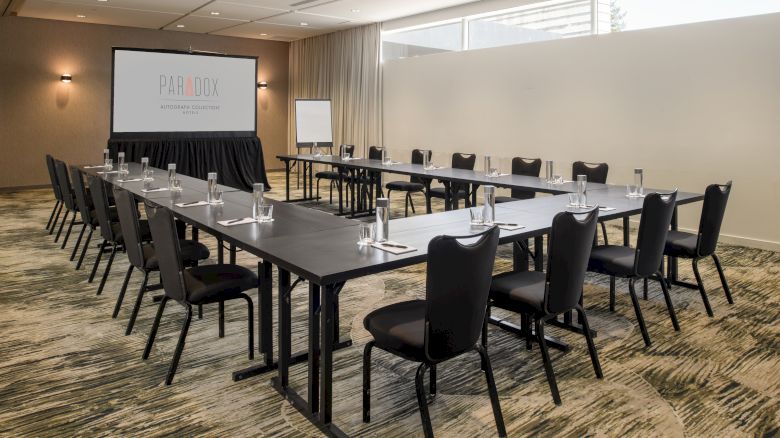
66, 77
262, 85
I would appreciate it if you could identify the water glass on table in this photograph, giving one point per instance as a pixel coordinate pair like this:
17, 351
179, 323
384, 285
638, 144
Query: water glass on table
365, 234
266, 212
109, 164
476, 216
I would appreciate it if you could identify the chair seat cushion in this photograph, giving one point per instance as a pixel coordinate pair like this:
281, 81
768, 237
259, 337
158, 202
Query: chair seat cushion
519, 291
212, 283
680, 244
112, 214
191, 251
146, 234
399, 328
438, 192
405, 186
327, 174
614, 260
502, 199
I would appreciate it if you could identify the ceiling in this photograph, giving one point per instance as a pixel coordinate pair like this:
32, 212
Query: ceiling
280, 20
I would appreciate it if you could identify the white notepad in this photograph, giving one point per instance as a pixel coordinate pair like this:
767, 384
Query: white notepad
392, 249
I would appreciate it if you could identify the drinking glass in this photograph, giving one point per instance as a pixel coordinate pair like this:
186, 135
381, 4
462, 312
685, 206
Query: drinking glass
476, 216
175, 185
557, 179
106, 156
639, 181
257, 199
365, 234
574, 199
121, 158
631, 191
347, 155
109, 164
266, 212
171, 173
123, 169
211, 188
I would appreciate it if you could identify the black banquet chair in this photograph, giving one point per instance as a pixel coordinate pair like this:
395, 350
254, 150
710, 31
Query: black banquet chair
199, 285
55, 186
459, 161
643, 262
445, 325
142, 256
335, 174
525, 167
414, 185
596, 173
68, 200
540, 296
705, 241
87, 212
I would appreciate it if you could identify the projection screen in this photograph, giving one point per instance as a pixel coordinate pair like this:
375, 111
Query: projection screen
160, 91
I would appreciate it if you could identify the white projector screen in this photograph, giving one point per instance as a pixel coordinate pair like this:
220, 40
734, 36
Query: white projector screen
313, 123
157, 91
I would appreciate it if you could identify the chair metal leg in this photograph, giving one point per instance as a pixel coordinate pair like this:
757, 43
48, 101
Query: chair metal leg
432, 381
137, 307
493, 392
638, 311
251, 325
611, 293
367, 381
84, 249
594, 356
604, 232
70, 228
726, 289
78, 243
107, 270
62, 225
485, 328
668, 300
155, 326
121, 296
200, 311
406, 205
51, 217
421, 401
56, 219
221, 319
411, 203
97, 261
179, 346
702, 291
525, 322
546, 361
645, 290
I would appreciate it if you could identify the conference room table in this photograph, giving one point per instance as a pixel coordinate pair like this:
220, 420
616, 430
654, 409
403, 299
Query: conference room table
321, 248
453, 179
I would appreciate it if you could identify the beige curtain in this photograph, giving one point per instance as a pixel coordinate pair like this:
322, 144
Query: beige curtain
344, 67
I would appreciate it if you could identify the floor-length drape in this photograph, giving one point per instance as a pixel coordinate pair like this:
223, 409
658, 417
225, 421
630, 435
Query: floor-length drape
344, 67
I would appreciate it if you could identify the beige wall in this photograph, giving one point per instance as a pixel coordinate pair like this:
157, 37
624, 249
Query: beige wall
40, 114
692, 104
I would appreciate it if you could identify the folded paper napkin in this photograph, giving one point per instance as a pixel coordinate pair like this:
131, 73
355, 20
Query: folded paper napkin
506, 226
232, 222
391, 163
98, 166
497, 175
396, 248
129, 180
607, 208
104, 173
155, 189
191, 204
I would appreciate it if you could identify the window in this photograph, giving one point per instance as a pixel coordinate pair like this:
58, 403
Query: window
553, 19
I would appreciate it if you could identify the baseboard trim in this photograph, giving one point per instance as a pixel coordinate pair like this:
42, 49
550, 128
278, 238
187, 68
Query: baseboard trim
731, 239
20, 188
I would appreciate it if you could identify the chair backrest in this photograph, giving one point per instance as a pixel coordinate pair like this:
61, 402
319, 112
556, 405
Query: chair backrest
66, 190
80, 193
127, 210
418, 158
55, 185
457, 289
463, 161
526, 167
571, 239
715, 199
596, 172
97, 191
657, 211
348, 148
167, 250
375, 152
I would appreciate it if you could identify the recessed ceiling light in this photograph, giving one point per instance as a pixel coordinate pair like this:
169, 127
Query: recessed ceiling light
179, 26
263, 34
102, 1
81, 16
303, 23
214, 13
356, 10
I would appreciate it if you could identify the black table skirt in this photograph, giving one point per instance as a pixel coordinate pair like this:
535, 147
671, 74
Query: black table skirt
238, 161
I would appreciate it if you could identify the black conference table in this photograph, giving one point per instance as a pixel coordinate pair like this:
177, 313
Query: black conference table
321, 248
452, 179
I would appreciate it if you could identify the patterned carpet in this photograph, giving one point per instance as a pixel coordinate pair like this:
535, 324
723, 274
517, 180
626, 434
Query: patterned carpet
68, 370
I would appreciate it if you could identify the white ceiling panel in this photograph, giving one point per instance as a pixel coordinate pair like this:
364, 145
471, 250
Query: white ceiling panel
96, 14
379, 10
313, 21
172, 6
196, 24
237, 11
272, 31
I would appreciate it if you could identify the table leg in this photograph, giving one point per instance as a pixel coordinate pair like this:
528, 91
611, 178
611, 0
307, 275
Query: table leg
305, 196
519, 257
220, 252
539, 253
287, 180
340, 185
265, 311
326, 353
195, 234
232, 253
626, 232
353, 178
447, 195
285, 327
673, 260
311, 180
427, 183
313, 395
